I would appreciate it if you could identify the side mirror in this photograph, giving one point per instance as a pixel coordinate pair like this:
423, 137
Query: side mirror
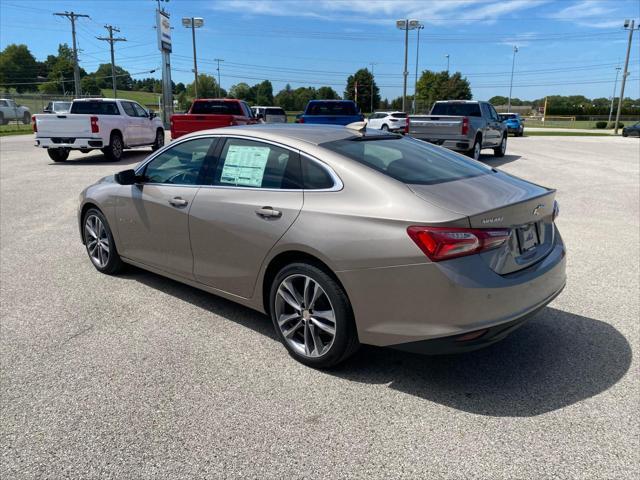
152, 114
127, 177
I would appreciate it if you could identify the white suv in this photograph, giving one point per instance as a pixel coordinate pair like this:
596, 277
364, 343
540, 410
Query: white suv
392, 121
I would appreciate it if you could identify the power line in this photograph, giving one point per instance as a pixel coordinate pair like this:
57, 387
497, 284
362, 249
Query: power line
111, 39
76, 69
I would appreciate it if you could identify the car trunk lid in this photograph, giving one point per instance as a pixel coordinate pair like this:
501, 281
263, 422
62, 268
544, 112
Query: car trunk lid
498, 200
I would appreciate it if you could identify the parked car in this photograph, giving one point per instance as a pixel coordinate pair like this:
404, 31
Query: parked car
207, 113
270, 114
10, 110
57, 107
391, 121
631, 131
514, 123
108, 124
331, 112
462, 125
342, 236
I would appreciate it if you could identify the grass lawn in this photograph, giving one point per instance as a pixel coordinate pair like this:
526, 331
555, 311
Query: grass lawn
566, 134
146, 99
15, 129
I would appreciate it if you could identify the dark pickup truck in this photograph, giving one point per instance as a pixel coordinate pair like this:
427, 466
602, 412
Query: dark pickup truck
206, 113
331, 112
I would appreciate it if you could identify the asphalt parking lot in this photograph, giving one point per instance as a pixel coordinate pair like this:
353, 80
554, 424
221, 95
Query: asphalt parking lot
137, 376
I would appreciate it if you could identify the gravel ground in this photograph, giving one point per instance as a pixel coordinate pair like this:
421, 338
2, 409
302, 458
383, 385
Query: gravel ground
140, 377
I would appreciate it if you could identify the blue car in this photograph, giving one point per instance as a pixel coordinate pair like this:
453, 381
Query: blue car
331, 112
514, 123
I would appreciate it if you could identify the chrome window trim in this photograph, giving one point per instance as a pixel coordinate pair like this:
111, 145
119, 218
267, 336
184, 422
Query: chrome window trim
337, 182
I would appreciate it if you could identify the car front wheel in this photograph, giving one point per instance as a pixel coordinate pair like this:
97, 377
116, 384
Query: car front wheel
312, 316
98, 240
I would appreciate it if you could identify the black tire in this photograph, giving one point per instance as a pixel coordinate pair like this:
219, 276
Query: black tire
115, 149
58, 154
2, 119
159, 142
345, 342
477, 143
624, 134
385, 127
114, 264
501, 149
26, 118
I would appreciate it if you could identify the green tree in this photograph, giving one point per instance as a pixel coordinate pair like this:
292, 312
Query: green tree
302, 96
104, 79
242, 91
264, 93
180, 87
18, 68
207, 88
60, 69
366, 87
498, 100
285, 98
434, 86
327, 93
90, 86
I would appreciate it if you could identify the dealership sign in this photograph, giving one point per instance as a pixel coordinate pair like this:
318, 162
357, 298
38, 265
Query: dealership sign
164, 31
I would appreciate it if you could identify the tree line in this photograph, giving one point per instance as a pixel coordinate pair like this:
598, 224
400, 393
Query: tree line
573, 105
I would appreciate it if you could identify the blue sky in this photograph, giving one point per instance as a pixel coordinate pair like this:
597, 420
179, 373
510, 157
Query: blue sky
565, 46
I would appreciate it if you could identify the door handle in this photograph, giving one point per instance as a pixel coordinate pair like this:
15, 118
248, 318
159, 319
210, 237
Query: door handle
178, 202
268, 212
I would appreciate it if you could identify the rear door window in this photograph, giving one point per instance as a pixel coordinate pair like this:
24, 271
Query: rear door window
408, 160
252, 164
128, 109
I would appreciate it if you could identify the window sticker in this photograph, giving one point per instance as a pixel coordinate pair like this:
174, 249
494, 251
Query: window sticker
244, 165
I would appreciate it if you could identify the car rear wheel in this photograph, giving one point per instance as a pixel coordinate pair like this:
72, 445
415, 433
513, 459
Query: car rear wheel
2, 121
476, 149
115, 149
99, 243
58, 154
159, 142
502, 148
26, 118
385, 127
312, 316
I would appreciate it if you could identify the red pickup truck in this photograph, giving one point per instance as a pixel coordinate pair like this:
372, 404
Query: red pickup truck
206, 113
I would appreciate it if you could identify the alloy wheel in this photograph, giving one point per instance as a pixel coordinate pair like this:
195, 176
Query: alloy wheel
159, 139
476, 151
305, 315
97, 241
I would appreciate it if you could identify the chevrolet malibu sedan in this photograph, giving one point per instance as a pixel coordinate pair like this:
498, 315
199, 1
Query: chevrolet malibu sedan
342, 236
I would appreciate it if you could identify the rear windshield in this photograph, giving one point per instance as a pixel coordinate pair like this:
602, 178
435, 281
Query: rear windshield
408, 160
274, 111
457, 109
507, 116
95, 108
399, 115
217, 108
62, 106
331, 108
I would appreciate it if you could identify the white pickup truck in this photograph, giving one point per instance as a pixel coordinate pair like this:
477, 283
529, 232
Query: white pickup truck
108, 124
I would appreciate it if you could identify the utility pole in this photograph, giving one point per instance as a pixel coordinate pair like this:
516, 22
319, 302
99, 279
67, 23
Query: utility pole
613, 97
218, 60
447, 55
415, 85
513, 64
76, 69
372, 80
112, 40
624, 75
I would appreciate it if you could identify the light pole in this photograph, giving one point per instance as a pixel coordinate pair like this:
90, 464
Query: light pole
415, 86
406, 25
613, 97
193, 23
372, 80
624, 75
447, 55
513, 64
218, 60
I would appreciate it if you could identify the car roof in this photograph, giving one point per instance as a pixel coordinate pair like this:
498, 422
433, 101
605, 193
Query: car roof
285, 132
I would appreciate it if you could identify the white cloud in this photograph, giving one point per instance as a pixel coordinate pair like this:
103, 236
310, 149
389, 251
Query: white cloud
589, 13
379, 12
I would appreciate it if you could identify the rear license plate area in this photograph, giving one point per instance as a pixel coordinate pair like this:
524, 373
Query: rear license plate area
528, 238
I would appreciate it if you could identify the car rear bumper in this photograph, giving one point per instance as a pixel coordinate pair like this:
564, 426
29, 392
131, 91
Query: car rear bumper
414, 303
459, 145
76, 143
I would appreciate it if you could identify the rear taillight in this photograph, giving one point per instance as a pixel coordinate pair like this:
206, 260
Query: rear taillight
442, 243
95, 128
406, 126
301, 120
465, 126
35, 127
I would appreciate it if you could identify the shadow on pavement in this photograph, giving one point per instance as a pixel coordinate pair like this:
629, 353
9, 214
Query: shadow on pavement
499, 161
553, 361
129, 157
